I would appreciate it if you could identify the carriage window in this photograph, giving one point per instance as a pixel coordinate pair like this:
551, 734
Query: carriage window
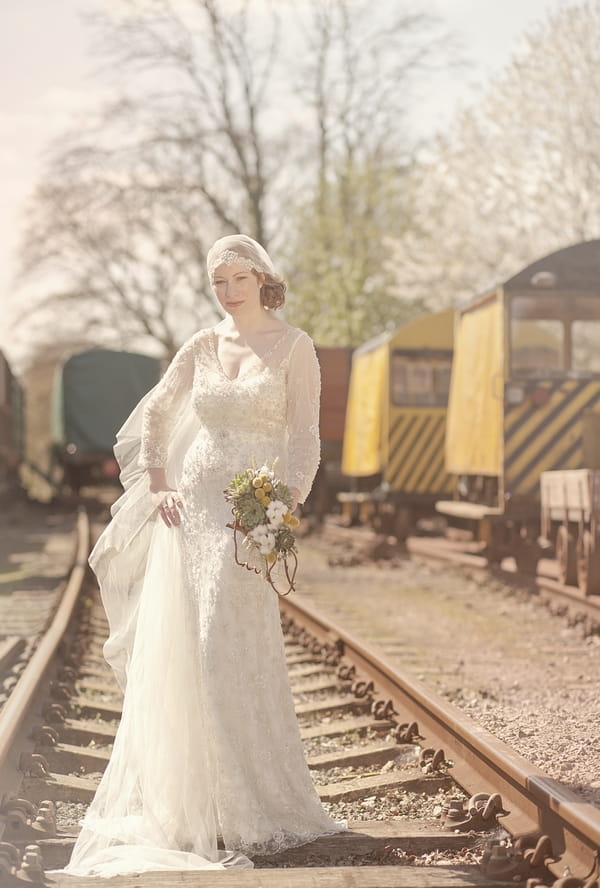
442, 381
585, 344
419, 383
536, 346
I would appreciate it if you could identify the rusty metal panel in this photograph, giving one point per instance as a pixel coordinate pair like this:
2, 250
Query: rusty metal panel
335, 377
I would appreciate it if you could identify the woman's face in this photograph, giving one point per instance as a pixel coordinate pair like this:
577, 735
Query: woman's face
237, 288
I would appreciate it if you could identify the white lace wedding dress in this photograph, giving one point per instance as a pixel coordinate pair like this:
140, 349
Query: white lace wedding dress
208, 743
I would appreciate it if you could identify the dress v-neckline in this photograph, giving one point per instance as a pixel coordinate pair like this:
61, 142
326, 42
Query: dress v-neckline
245, 374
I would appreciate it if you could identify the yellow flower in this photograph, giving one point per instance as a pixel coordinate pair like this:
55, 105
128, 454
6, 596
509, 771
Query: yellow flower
271, 558
257, 482
293, 522
267, 486
258, 493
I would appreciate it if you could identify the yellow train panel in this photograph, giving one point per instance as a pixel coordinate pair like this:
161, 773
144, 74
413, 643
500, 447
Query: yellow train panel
548, 436
475, 415
416, 451
432, 332
395, 421
366, 413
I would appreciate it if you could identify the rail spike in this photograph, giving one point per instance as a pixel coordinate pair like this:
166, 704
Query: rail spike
407, 732
32, 867
537, 850
499, 861
432, 761
480, 812
45, 735
16, 871
24, 822
9, 861
346, 672
383, 709
60, 690
34, 764
362, 688
55, 713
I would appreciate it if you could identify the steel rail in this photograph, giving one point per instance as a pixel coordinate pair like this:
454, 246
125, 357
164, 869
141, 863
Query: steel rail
17, 708
570, 597
537, 804
567, 596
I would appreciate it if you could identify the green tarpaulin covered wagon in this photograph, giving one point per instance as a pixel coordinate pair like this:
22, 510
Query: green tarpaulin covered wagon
94, 392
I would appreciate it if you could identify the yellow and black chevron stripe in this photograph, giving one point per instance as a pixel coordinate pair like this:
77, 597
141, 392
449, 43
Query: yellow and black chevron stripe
538, 439
416, 451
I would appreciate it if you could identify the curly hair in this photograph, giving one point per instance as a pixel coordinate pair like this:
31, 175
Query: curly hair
272, 292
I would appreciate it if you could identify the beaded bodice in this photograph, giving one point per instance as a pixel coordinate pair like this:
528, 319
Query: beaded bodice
277, 399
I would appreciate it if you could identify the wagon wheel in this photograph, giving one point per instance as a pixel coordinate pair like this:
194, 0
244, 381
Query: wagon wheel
566, 557
404, 521
527, 555
588, 564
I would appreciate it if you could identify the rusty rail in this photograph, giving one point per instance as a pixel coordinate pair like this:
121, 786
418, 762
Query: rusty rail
536, 803
17, 709
566, 597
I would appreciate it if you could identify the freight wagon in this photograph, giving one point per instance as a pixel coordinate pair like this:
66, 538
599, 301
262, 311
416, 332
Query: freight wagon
393, 453
94, 392
335, 374
11, 426
570, 516
524, 397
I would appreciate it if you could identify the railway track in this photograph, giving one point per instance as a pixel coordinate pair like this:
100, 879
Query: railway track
447, 792
560, 597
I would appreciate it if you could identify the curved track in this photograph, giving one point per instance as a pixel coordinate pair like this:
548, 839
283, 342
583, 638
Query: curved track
370, 733
560, 597
535, 804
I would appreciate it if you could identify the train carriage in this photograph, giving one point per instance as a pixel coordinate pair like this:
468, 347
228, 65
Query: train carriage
11, 426
94, 393
395, 424
524, 396
334, 362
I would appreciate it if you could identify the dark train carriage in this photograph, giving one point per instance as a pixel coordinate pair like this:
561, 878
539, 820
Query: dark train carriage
524, 396
335, 374
94, 393
11, 426
395, 423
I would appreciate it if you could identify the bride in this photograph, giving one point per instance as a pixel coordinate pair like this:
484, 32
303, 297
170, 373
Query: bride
208, 743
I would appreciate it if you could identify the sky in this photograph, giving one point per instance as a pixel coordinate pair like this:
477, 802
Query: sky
49, 82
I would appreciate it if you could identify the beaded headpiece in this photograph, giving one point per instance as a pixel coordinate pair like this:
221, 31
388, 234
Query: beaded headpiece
239, 249
230, 257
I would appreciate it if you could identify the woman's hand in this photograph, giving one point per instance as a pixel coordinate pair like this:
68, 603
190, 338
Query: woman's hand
168, 503
166, 500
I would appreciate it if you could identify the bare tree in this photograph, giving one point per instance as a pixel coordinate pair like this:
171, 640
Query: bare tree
211, 135
121, 220
518, 175
127, 259
218, 61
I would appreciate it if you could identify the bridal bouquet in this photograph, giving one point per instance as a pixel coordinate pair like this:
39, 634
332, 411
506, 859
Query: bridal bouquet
261, 511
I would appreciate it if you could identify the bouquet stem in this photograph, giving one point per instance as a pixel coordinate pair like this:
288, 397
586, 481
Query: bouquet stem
290, 575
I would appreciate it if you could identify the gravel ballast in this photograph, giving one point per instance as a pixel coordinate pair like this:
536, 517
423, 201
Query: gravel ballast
497, 654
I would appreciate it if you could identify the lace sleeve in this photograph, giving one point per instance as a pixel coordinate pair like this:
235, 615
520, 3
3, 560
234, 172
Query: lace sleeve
162, 407
304, 392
